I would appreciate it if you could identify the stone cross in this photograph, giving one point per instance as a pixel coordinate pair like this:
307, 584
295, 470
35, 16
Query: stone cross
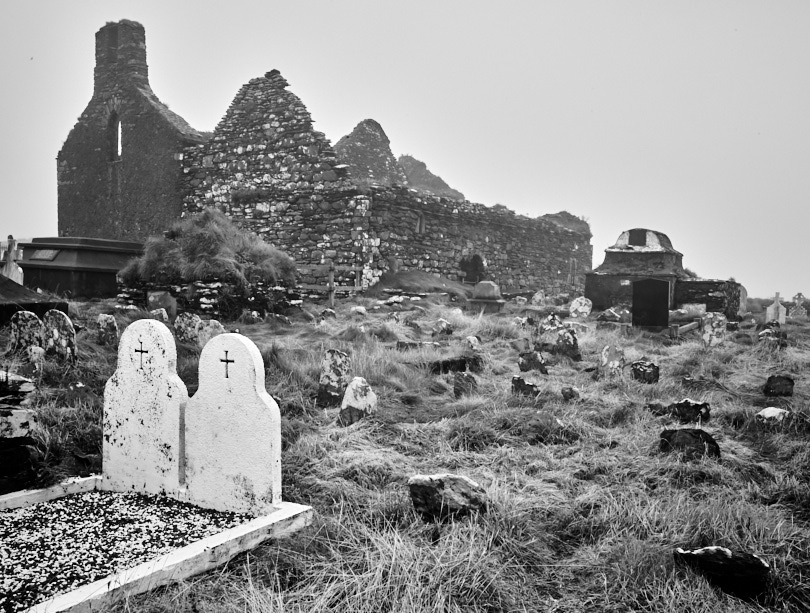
233, 431
10, 268
144, 405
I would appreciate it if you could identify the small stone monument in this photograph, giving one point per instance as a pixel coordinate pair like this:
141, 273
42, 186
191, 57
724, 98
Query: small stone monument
464, 384
580, 307
334, 377
27, 331
567, 344
60, 335
776, 312
233, 431
611, 362
532, 360
798, 311
107, 330
185, 327
162, 300
10, 268
645, 371
359, 401
144, 405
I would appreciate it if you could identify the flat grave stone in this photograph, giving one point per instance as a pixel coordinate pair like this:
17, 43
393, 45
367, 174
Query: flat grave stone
233, 431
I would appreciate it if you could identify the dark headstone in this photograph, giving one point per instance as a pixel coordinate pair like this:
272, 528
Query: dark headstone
778, 385
692, 443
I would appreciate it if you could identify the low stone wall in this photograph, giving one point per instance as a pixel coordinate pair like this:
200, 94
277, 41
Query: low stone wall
726, 297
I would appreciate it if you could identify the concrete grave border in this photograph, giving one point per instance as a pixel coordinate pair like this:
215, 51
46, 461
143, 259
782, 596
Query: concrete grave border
197, 557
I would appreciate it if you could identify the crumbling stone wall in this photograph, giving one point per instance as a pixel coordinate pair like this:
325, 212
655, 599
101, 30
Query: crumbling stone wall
134, 193
727, 297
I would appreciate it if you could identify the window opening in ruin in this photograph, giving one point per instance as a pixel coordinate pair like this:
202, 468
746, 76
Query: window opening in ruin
638, 238
420, 224
114, 137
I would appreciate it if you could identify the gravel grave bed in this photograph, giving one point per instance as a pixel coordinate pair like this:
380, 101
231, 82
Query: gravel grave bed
56, 546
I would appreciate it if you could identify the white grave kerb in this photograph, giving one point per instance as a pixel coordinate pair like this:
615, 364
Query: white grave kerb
144, 405
233, 431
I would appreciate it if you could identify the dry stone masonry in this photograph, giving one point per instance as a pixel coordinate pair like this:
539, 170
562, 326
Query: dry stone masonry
268, 169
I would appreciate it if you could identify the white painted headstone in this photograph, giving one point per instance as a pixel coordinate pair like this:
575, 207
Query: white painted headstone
144, 403
776, 311
233, 431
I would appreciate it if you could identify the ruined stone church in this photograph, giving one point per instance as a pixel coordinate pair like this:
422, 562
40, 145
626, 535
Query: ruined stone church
130, 167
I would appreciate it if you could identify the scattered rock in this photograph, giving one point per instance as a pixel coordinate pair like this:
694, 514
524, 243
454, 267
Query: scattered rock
522, 388
686, 411
60, 335
473, 344
713, 331
442, 328
738, 573
568, 345
160, 314
611, 361
539, 298
464, 384
185, 327
532, 360
359, 401
551, 323
616, 314
570, 393
27, 331
361, 311
521, 300
473, 363
444, 496
772, 416
773, 337
779, 385
692, 443
328, 314
645, 371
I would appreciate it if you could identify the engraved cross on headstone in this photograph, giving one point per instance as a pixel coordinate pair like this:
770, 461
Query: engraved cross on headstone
227, 361
141, 351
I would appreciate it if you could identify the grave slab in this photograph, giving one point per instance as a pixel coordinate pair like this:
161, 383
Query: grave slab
144, 405
233, 431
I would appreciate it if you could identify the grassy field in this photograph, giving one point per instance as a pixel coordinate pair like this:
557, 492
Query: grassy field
584, 512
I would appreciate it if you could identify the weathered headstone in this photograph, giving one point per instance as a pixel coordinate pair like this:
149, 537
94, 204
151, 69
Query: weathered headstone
776, 311
611, 361
208, 329
160, 314
798, 312
107, 330
713, 329
580, 307
616, 314
539, 298
185, 327
690, 411
359, 401
233, 431
27, 331
334, 377
144, 405
568, 345
162, 300
444, 496
464, 384
60, 335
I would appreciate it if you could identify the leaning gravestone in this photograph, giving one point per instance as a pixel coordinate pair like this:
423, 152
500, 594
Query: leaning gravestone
60, 335
776, 311
185, 327
359, 401
107, 330
334, 377
27, 331
144, 403
233, 431
208, 329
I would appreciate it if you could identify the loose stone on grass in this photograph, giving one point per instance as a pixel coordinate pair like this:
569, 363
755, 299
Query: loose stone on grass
444, 496
778, 385
691, 443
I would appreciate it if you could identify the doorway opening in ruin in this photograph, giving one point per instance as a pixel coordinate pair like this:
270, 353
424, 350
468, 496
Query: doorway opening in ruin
651, 303
473, 269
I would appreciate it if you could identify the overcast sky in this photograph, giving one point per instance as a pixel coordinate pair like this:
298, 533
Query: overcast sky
687, 117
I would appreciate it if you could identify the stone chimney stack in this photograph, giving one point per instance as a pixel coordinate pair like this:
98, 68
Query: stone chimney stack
120, 54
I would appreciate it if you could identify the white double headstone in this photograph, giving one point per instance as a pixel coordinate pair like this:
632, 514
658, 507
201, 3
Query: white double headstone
776, 311
233, 431
144, 404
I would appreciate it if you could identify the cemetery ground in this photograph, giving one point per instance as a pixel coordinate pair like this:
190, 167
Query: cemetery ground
583, 511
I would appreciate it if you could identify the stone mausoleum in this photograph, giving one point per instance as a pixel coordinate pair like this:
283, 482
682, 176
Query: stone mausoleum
643, 270
130, 167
